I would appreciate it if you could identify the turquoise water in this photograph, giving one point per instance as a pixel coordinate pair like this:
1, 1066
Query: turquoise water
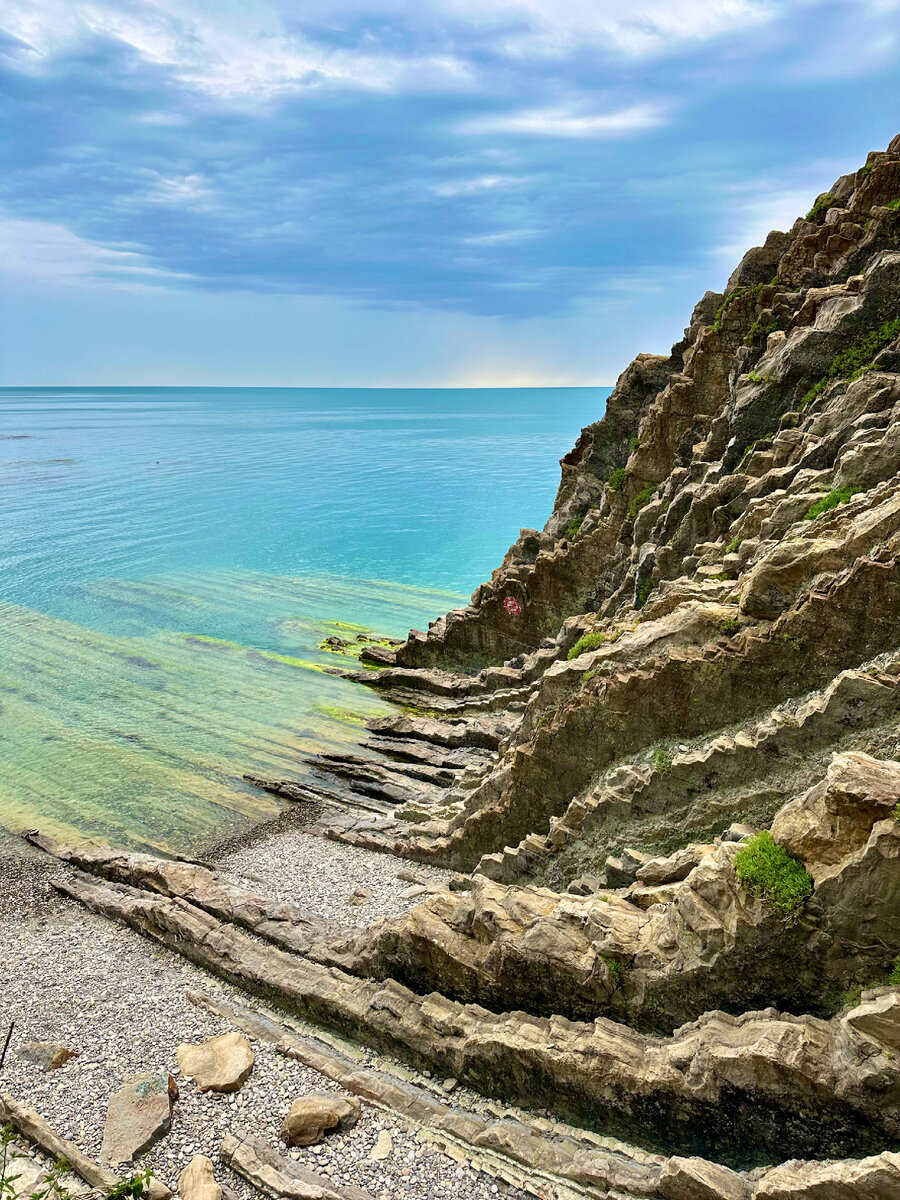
170, 560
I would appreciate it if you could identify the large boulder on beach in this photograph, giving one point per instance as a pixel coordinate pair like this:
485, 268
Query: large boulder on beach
312, 1116
139, 1114
220, 1064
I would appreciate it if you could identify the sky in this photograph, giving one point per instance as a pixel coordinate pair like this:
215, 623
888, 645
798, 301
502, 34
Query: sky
406, 192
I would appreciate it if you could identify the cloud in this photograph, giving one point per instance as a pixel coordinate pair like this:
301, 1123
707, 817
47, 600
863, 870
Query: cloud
40, 250
503, 158
568, 122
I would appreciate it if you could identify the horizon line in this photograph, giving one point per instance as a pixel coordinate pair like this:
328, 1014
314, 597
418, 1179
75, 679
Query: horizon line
295, 387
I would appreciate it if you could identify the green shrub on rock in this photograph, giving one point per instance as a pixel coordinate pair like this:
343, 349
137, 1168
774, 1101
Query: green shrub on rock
832, 500
643, 497
587, 641
573, 526
894, 977
617, 478
765, 869
821, 206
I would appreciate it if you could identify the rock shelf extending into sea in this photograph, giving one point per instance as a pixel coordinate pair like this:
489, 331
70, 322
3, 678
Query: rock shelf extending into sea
609, 906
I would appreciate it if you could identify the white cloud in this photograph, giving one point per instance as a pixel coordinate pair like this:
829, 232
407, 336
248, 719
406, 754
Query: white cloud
231, 49
568, 122
41, 250
503, 237
480, 183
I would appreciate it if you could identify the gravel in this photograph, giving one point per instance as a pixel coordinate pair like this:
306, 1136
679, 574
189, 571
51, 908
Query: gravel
72, 976
322, 876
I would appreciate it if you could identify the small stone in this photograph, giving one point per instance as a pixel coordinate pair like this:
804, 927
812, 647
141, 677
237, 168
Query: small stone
311, 1116
382, 1149
220, 1064
139, 1114
360, 896
49, 1055
197, 1182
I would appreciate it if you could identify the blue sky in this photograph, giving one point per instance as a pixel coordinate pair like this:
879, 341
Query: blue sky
406, 192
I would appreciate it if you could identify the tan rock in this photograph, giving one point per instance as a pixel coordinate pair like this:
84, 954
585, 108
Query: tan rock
875, 1178
139, 1114
382, 1149
774, 582
197, 1182
697, 1179
834, 819
879, 1019
220, 1064
311, 1117
360, 896
276, 1175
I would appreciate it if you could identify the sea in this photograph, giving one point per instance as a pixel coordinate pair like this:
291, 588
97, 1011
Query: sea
172, 559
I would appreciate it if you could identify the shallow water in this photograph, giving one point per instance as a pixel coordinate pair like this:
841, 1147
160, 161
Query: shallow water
171, 559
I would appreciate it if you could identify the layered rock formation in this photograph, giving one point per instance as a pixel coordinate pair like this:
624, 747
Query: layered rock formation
661, 748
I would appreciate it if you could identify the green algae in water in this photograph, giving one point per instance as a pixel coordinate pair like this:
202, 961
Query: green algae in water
141, 740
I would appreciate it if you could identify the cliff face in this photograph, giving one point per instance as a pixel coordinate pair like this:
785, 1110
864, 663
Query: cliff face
640, 487
667, 774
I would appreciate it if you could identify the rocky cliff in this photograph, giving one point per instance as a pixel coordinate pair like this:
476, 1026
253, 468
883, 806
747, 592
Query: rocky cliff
661, 749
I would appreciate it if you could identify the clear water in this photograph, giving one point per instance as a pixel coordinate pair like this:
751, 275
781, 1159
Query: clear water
170, 560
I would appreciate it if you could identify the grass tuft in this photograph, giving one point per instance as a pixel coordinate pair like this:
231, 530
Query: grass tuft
643, 497
821, 206
851, 364
617, 478
832, 500
588, 641
765, 869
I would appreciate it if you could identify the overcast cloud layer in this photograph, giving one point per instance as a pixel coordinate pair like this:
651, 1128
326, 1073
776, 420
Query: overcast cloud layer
416, 181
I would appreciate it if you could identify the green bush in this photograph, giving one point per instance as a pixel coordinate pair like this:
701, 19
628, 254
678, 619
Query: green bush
616, 972
821, 206
635, 442
894, 976
852, 363
894, 204
832, 500
729, 626
573, 526
588, 641
643, 592
733, 545
644, 496
617, 478
765, 869
662, 760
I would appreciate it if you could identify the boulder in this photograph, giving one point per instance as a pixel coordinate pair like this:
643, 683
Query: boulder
196, 1181
673, 868
312, 1116
878, 1018
834, 819
220, 1064
48, 1055
875, 1178
139, 1114
697, 1179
